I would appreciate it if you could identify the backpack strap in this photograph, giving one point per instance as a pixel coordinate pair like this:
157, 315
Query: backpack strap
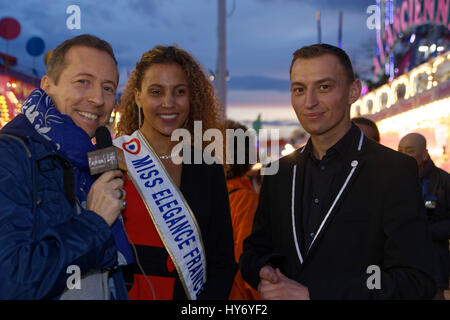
20, 141
34, 170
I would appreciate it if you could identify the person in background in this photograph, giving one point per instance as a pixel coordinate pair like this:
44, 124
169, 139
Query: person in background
435, 184
57, 238
243, 203
178, 216
368, 127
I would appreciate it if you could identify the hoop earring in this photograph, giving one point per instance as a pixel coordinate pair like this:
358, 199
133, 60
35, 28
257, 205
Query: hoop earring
139, 117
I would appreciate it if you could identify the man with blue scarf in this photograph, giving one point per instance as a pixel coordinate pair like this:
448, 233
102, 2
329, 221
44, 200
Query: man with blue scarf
60, 236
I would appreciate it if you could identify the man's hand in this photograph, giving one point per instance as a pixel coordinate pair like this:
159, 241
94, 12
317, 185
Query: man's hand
274, 285
106, 196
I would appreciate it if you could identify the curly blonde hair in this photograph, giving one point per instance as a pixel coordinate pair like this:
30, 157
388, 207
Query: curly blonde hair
204, 105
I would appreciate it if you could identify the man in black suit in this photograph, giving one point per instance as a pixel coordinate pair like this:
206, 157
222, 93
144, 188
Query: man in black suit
343, 218
435, 184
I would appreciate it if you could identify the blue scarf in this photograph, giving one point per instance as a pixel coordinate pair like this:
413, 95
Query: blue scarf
73, 143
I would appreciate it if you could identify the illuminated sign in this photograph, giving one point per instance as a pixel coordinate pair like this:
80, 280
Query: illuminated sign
408, 15
417, 101
4, 113
410, 90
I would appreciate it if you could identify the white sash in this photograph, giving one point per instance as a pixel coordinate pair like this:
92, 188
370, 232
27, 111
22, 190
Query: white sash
168, 210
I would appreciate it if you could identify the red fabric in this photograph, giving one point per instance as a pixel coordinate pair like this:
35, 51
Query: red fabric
243, 204
138, 223
162, 286
142, 231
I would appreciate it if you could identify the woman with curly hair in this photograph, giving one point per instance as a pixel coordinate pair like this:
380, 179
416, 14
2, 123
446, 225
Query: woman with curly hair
177, 217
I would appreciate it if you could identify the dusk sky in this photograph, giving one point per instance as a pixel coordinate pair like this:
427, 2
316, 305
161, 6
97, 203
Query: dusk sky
261, 37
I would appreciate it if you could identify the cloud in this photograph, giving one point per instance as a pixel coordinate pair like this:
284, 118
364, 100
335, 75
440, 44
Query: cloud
150, 7
259, 98
258, 83
261, 34
344, 5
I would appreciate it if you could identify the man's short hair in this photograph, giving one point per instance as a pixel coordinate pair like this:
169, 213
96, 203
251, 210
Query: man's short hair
369, 123
320, 49
57, 63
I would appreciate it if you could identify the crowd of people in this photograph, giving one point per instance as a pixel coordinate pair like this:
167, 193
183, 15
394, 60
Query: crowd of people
338, 206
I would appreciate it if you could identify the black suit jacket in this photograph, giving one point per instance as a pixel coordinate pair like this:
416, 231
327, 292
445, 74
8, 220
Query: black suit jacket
378, 219
438, 185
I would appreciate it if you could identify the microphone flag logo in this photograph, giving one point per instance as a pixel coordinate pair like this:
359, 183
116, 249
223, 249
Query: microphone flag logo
133, 146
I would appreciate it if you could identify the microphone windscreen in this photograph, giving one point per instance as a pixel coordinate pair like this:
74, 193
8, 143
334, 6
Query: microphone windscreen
103, 138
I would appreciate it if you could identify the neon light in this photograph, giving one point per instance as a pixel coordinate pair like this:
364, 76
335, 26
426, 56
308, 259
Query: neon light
409, 80
408, 14
399, 81
423, 117
379, 93
415, 74
391, 11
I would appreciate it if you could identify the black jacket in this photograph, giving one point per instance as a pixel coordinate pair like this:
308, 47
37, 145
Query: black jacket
437, 183
379, 220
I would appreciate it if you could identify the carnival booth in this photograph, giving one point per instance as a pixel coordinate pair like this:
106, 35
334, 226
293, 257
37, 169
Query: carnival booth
412, 73
417, 101
16, 85
14, 89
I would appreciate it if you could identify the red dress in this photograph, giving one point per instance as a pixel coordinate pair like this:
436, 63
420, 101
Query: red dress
142, 232
204, 189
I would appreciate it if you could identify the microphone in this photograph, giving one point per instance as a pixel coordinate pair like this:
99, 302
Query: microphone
106, 157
